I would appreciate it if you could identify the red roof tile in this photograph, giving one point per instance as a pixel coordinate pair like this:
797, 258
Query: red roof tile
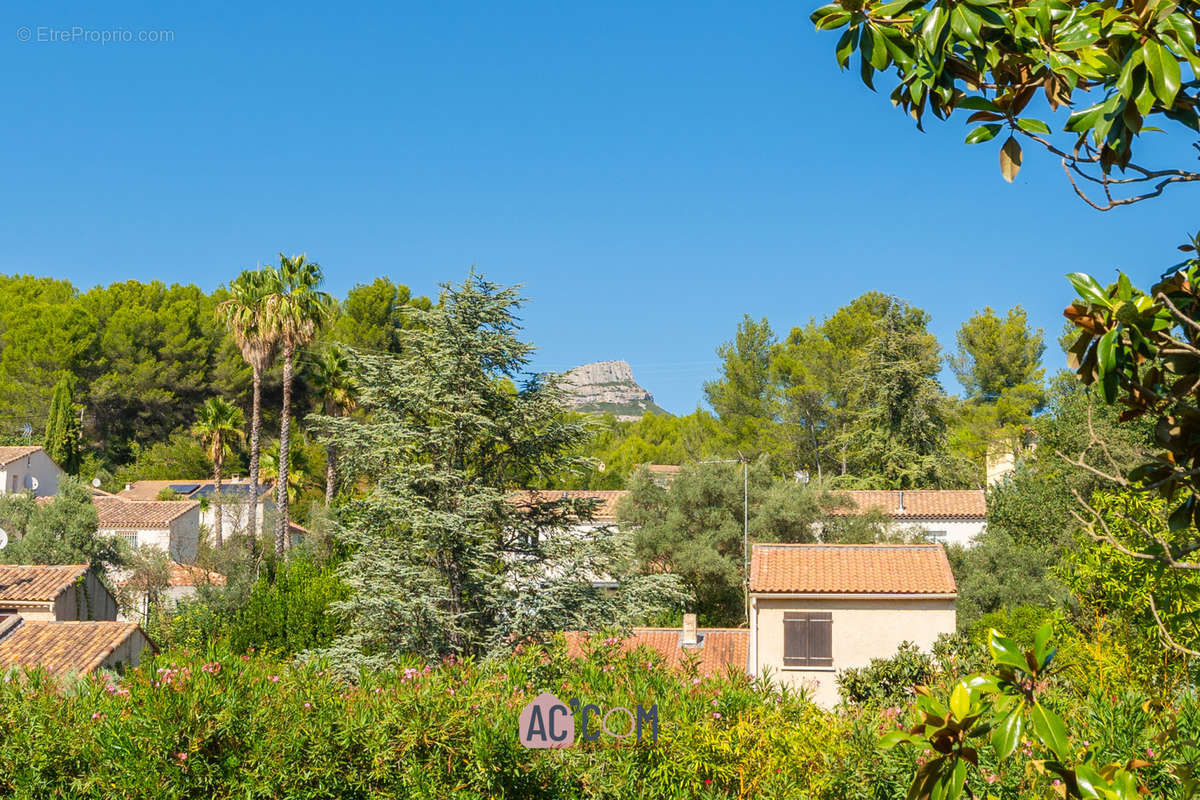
38, 583
719, 648
919, 503
61, 647
116, 512
851, 569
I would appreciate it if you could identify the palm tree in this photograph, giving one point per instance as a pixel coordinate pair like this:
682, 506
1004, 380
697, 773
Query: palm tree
335, 393
295, 310
299, 478
244, 314
219, 425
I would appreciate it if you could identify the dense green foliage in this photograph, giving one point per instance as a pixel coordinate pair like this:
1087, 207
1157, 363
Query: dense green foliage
63, 531
441, 560
62, 428
854, 400
695, 528
1122, 67
214, 724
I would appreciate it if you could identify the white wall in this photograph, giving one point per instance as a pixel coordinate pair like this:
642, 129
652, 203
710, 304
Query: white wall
20, 475
863, 628
956, 531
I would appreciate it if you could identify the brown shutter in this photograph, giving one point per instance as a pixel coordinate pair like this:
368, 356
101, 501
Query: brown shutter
820, 639
795, 639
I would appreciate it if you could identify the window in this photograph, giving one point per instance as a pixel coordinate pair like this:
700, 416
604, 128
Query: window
130, 537
936, 536
807, 639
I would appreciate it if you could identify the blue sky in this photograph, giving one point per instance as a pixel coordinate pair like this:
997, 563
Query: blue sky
650, 174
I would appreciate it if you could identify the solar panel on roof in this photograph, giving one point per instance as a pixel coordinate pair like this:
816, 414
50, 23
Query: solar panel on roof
184, 488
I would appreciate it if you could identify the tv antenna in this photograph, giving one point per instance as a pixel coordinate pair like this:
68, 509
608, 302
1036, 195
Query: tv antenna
27, 431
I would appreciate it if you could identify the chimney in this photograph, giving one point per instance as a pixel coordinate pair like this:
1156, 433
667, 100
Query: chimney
689, 631
901, 509
128, 486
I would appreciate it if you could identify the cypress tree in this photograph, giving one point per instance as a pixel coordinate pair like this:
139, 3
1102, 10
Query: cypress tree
62, 429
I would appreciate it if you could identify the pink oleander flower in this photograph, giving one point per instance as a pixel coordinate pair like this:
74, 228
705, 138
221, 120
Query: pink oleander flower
695, 681
307, 706
1150, 753
181, 756
273, 679
716, 715
97, 715
213, 668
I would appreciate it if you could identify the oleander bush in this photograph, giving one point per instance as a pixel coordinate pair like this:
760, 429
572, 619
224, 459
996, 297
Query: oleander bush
217, 724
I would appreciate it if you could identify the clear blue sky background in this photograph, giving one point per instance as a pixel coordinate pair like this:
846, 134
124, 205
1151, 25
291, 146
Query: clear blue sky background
649, 173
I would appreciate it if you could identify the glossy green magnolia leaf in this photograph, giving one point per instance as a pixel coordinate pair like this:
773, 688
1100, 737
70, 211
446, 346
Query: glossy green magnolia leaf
966, 25
983, 133
825, 11
1106, 353
933, 28
977, 104
1008, 732
960, 701
845, 46
1006, 651
1090, 783
1050, 729
1040, 640
1089, 289
1033, 125
893, 738
1164, 71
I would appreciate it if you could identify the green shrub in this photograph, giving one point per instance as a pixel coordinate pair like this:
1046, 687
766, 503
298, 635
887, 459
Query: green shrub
887, 681
286, 612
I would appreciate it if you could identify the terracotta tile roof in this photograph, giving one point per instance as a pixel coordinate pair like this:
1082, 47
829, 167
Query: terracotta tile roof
664, 469
606, 501
920, 503
192, 575
11, 454
851, 569
719, 648
61, 647
116, 512
37, 583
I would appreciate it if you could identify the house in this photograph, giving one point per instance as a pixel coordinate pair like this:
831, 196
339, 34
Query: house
171, 525
56, 593
947, 516
817, 609
235, 500
183, 581
604, 515
70, 647
714, 651
28, 469
663, 474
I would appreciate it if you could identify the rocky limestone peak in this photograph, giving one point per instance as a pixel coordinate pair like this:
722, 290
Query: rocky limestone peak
607, 387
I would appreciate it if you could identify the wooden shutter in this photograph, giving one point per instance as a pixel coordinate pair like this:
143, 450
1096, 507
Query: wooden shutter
807, 639
795, 639
820, 639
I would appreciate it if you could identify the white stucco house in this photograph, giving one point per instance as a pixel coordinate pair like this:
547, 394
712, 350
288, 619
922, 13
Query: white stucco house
28, 469
235, 500
817, 609
171, 525
604, 516
947, 516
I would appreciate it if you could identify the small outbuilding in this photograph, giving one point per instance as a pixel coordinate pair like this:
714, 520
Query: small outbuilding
55, 593
817, 609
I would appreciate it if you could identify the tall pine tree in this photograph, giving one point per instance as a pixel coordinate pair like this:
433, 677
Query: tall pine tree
62, 429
